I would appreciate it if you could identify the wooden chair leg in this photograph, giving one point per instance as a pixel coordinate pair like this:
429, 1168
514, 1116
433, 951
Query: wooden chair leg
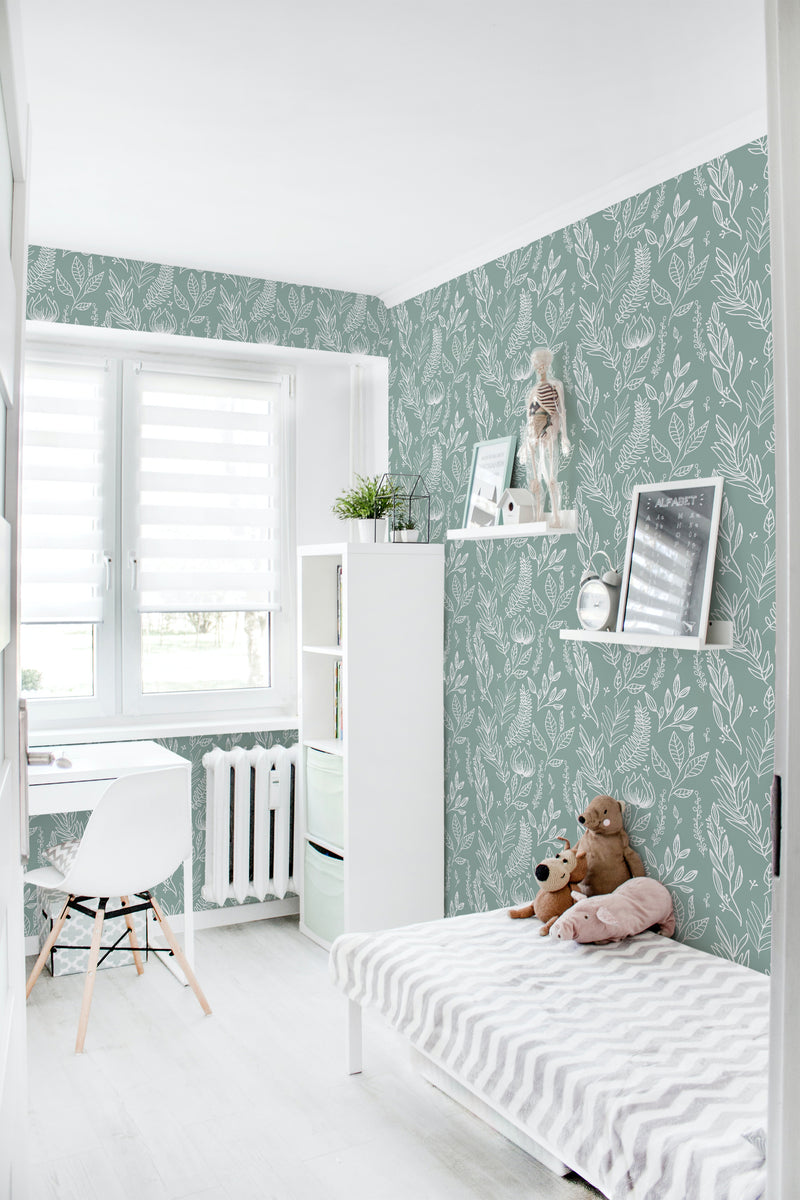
137, 958
180, 956
94, 954
52, 937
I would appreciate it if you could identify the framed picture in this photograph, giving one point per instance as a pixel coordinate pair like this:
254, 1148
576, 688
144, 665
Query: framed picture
489, 477
669, 562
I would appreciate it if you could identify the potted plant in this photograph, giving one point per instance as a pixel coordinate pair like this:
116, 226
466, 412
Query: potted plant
367, 503
404, 528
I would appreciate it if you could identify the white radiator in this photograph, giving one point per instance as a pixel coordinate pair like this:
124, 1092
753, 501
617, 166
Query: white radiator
249, 823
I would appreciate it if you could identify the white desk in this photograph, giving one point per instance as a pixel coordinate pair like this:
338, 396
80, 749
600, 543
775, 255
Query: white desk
77, 788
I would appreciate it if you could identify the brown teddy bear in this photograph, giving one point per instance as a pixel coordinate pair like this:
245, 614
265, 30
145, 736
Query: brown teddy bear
610, 858
555, 877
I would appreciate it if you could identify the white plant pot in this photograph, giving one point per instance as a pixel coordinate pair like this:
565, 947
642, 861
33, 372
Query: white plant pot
406, 535
372, 531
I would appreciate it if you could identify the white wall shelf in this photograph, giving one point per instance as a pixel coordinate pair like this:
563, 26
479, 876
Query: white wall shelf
529, 529
333, 651
719, 637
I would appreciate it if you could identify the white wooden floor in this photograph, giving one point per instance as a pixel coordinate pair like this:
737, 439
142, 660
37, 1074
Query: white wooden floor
253, 1102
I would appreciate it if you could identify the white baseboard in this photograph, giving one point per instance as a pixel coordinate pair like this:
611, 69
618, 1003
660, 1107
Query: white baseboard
210, 918
236, 914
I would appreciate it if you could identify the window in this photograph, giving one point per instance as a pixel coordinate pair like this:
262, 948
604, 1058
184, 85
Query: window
153, 535
68, 456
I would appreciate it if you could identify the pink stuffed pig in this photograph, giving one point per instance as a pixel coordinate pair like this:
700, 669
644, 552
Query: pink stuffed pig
631, 908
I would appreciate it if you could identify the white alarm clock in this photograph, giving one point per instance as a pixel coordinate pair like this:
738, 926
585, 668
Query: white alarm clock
598, 599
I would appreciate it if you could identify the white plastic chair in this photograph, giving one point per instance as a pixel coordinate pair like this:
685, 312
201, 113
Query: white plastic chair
138, 834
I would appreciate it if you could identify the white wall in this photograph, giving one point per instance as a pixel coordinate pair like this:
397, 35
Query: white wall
329, 388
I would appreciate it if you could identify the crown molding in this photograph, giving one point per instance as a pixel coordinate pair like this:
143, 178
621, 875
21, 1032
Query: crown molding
650, 174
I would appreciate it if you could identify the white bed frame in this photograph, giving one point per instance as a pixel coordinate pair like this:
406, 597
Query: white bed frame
436, 1075
687, 1109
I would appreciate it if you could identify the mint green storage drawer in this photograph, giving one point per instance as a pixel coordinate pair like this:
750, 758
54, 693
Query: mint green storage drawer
323, 893
325, 797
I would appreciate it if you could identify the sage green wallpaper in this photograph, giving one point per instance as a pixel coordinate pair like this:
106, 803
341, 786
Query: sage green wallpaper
122, 293
658, 312
49, 831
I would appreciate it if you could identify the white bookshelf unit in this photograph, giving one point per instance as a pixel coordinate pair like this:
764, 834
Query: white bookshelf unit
372, 844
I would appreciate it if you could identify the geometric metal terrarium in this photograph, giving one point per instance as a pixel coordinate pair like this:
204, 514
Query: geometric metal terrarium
410, 514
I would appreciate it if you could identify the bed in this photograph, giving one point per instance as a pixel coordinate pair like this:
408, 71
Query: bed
640, 1065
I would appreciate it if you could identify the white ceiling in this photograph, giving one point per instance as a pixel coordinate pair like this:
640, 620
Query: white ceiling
364, 145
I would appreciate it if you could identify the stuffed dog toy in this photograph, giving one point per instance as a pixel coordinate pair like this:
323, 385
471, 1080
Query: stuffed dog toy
555, 877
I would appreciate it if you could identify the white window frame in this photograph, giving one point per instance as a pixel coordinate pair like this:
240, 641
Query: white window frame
119, 700
54, 710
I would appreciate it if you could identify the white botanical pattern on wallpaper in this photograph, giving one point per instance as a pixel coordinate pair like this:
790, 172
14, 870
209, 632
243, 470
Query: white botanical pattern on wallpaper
658, 310
120, 293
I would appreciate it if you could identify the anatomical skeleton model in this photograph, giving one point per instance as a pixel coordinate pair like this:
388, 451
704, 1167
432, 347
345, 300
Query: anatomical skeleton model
547, 419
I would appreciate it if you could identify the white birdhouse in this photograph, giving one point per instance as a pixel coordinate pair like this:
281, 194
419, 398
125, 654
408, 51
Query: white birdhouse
517, 506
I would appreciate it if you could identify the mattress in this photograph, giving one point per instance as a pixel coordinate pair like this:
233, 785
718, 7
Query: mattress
641, 1064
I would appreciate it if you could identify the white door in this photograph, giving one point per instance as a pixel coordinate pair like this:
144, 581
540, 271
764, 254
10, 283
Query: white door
783, 54
13, 253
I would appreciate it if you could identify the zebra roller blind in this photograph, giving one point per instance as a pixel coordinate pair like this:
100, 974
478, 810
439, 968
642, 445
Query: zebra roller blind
65, 418
206, 514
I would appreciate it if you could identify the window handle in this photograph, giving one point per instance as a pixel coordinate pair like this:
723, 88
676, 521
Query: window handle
134, 564
107, 565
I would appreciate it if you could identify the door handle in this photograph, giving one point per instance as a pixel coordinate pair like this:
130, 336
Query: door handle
776, 802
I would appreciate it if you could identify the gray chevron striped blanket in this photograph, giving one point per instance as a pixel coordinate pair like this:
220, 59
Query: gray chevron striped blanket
642, 1064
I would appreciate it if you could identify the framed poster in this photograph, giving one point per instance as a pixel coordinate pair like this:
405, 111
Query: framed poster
489, 477
669, 562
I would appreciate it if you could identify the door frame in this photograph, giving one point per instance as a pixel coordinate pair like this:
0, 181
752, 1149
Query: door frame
783, 126
13, 817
